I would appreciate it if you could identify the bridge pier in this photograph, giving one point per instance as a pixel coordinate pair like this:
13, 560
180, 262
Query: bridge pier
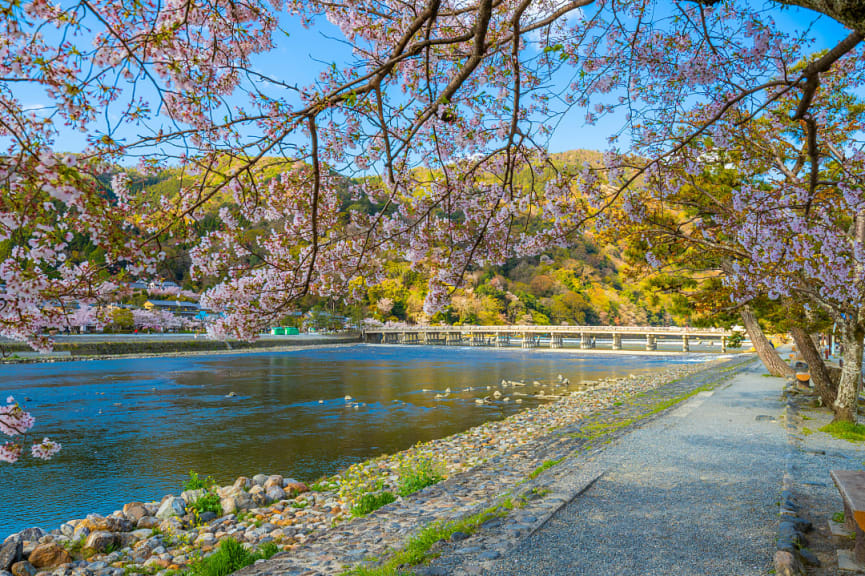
651, 343
500, 336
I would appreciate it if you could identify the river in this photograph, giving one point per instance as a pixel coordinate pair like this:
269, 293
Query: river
132, 429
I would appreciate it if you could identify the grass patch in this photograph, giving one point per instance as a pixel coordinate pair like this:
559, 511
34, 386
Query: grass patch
806, 417
417, 475
417, 549
838, 517
849, 431
370, 502
594, 430
806, 431
545, 466
230, 557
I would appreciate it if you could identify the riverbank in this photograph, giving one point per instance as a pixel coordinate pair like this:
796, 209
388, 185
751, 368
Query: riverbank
157, 537
142, 347
147, 346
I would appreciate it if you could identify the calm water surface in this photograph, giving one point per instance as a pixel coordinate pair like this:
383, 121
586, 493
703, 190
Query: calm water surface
132, 429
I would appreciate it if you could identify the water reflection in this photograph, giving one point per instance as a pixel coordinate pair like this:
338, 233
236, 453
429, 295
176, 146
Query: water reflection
132, 429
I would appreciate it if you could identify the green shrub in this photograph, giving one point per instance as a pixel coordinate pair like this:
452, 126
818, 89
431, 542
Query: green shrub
208, 503
370, 502
196, 482
230, 557
418, 474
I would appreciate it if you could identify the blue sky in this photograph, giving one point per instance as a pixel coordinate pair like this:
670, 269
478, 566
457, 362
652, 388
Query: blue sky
301, 55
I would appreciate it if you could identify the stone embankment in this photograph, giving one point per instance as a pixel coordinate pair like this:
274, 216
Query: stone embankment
315, 525
15, 353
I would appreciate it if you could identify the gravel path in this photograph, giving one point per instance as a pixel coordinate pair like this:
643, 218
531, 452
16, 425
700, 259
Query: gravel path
693, 492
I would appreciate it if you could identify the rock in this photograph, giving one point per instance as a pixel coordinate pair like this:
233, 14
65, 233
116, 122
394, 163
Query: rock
786, 564
273, 480
808, 557
458, 536
5, 573
275, 494
295, 488
231, 395
226, 491
98, 523
171, 506
67, 529
49, 556
32, 534
125, 539
207, 517
157, 562
23, 568
81, 532
243, 483
205, 539
134, 511
148, 522
190, 496
259, 479
238, 501
101, 541
141, 533
10, 553
171, 525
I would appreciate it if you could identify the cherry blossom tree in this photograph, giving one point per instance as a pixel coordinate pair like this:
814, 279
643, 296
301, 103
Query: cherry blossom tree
16, 423
778, 211
85, 316
444, 105
158, 320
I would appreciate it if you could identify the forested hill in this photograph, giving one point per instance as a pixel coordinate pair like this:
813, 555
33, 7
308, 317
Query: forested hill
584, 284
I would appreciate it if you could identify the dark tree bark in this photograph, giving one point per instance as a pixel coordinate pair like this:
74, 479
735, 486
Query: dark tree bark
773, 362
819, 374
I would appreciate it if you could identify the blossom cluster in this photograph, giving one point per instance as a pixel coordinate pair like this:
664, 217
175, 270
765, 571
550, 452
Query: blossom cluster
15, 422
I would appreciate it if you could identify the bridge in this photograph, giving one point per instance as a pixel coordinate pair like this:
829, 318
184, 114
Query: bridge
533, 336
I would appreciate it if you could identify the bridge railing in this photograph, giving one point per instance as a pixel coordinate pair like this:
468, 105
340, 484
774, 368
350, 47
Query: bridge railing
533, 329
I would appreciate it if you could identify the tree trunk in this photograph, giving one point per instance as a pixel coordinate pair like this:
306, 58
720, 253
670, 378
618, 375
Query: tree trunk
774, 364
851, 373
819, 374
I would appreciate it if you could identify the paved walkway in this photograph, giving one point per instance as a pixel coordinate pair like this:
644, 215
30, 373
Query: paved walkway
693, 492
